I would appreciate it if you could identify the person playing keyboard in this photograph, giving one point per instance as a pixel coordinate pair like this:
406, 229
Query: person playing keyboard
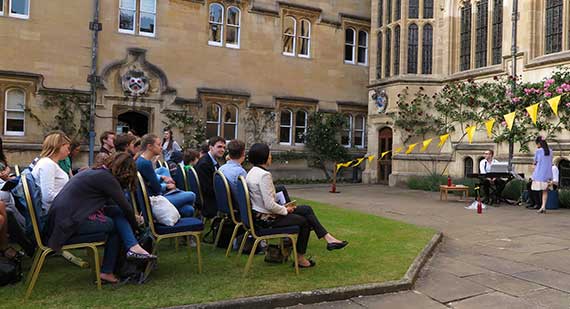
484, 168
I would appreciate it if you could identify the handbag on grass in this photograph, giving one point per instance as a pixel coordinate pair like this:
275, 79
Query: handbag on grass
274, 253
163, 210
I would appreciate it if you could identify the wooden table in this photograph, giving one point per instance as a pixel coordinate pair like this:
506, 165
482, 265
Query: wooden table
444, 190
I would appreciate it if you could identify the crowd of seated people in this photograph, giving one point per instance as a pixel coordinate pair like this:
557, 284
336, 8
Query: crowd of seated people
84, 202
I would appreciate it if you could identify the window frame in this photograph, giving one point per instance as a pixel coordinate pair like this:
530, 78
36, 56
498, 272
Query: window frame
7, 110
293, 36
295, 143
349, 130
140, 13
16, 15
397, 34
223, 121
358, 47
308, 38
352, 46
413, 50
465, 37
427, 50
291, 125
237, 27
551, 39
388, 53
221, 24
363, 130
135, 19
481, 33
219, 122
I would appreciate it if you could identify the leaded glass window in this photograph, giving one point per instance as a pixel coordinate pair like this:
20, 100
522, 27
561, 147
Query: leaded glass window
379, 57
413, 49
428, 8
465, 38
553, 31
427, 49
413, 9
397, 50
481, 34
497, 31
387, 62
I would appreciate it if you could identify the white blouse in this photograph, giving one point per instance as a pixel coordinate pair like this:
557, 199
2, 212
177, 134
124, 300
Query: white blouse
50, 178
262, 192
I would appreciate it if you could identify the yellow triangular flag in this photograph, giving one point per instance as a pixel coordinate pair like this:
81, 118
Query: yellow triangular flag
533, 112
510, 119
397, 150
384, 154
426, 144
554, 104
470, 132
489, 125
338, 166
442, 139
411, 148
370, 158
358, 162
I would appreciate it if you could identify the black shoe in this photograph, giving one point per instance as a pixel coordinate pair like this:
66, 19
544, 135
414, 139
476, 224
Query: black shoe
530, 206
536, 207
337, 245
311, 264
139, 256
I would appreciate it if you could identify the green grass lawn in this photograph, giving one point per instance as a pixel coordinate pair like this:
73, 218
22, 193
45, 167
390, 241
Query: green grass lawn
380, 250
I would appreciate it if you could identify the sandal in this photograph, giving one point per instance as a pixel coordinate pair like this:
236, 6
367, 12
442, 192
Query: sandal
311, 264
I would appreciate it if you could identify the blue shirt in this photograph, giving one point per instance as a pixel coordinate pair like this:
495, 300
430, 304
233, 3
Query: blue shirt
543, 169
232, 170
146, 169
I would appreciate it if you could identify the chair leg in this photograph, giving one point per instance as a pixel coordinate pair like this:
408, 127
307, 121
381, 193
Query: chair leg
91, 256
36, 273
34, 265
176, 244
149, 265
97, 266
234, 234
294, 241
219, 233
189, 247
198, 253
251, 254
240, 250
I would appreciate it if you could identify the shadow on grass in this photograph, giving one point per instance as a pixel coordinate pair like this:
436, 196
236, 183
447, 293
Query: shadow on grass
380, 250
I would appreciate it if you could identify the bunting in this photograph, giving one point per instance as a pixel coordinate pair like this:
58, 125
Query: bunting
554, 104
398, 150
384, 154
489, 125
510, 119
425, 144
442, 139
370, 158
411, 148
470, 133
533, 112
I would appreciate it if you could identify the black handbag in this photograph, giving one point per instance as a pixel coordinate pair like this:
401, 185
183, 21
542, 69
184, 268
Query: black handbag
274, 253
10, 270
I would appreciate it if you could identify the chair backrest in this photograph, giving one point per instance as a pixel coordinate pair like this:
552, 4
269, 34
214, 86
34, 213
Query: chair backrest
34, 205
223, 195
143, 203
184, 174
179, 178
244, 203
194, 184
17, 170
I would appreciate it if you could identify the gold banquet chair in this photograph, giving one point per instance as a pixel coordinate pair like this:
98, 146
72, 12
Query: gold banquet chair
245, 211
34, 207
225, 207
185, 227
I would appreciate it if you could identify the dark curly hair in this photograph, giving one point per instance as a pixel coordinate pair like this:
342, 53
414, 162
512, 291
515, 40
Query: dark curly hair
122, 166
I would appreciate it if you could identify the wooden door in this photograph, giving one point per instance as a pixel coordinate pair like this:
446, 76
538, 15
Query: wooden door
384, 165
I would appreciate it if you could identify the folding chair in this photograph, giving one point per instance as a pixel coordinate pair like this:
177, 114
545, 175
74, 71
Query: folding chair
89, 242
244, 202
185, 227
225, 207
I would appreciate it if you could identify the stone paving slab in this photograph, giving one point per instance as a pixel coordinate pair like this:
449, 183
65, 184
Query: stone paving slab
556, 260
548, 278
341, 304
404, 300
551, 299
456, 267
445, 287
493, 300
499, 265
506, 284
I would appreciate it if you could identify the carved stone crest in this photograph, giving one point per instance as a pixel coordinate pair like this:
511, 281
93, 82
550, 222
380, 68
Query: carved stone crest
135, 83
380, 100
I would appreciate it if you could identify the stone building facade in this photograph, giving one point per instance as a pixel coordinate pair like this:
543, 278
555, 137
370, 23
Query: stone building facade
427, 43
248, 69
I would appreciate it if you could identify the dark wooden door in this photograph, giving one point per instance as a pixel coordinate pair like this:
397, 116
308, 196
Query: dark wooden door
384, 165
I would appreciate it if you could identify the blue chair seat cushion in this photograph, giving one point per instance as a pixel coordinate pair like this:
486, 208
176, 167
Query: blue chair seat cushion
278, 230
183, 225
78, 239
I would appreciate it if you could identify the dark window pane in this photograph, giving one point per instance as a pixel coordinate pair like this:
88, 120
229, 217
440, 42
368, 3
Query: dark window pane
300, 119
212, 129
413, 49
414, 8
428, 8
481, 34
497, 31
284, 135
127, 20
358, 138
286, 118
380, 12
397, 50
233, 16
349, 36
345, 138
467, 167
147, 23
427, 47
15, 125
465, 38
215, 33
19, 7
216, 13
304, 46
388, 63
362, 55
299, 135
232, 35
553, 29
379, 57
398, 13
388, 11
362, 46
229, 131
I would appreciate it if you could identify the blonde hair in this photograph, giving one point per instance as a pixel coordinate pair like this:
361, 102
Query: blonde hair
53, 142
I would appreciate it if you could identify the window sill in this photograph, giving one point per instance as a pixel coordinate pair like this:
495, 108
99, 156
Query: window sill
19, 16
558, 57
212, 43
14, 134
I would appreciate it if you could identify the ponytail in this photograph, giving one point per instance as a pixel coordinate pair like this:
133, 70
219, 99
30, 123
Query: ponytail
543, 145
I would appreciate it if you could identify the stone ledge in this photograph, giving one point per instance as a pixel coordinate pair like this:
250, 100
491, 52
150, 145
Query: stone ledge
332, 294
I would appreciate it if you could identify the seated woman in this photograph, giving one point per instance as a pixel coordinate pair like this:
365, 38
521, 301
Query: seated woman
268, 213
47, 173
81, 208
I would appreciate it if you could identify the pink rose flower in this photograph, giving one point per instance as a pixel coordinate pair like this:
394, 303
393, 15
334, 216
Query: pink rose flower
559, 90
547, 94
504, 123
516, 99
568, 104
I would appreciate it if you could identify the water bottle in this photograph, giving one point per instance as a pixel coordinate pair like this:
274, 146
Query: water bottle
448, 181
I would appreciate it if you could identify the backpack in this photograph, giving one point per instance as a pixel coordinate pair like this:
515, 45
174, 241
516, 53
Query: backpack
10, 270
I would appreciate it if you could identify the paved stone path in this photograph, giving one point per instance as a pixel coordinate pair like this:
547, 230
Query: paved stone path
507, 257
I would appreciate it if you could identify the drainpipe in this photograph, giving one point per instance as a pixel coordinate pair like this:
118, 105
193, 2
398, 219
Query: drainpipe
95, 26
514, 19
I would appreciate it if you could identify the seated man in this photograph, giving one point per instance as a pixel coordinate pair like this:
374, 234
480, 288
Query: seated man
484, 168
162, 185
206, 167
233, 169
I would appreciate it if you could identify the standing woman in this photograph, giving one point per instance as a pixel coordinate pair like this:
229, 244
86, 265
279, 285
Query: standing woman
542, 170
169, 145
47, 174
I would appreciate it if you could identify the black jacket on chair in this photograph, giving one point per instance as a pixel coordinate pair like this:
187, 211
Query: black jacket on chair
205, 170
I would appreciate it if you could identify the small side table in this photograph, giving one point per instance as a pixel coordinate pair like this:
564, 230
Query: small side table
444, 190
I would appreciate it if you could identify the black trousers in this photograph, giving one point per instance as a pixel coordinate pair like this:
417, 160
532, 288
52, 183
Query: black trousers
499, 187
535, 197
305, 218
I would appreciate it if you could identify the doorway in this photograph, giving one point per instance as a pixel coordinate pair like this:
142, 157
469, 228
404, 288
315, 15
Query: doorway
384, 165
135, 122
